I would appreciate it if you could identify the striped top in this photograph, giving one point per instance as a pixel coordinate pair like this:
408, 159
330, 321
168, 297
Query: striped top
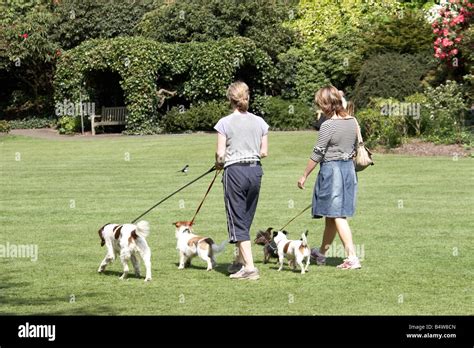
337, 140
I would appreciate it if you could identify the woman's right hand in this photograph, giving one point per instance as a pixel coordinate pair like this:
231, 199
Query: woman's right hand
301, 182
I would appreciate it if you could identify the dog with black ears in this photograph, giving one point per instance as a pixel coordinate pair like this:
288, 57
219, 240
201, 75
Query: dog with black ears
270, 249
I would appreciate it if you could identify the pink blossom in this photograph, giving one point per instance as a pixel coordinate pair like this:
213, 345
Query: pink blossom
446, 43
454, 52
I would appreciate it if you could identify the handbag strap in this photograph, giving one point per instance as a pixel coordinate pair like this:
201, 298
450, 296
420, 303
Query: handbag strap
359, 134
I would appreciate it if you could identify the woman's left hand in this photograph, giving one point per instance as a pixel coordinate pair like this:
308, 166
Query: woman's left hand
301, 182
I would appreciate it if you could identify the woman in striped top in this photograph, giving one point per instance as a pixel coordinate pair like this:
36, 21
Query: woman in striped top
336, 185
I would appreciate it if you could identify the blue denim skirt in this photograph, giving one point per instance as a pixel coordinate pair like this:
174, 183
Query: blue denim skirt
335, 190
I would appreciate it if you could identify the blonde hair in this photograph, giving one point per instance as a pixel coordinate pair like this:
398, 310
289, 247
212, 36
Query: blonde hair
329, 99
238, 95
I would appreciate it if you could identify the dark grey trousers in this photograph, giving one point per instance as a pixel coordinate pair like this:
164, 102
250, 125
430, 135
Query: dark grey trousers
241, 191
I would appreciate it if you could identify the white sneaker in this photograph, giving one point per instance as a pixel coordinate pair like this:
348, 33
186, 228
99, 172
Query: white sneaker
238, 274
352, 263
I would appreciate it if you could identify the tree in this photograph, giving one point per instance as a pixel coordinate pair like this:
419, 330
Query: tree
204, 20
79, 20
28, 62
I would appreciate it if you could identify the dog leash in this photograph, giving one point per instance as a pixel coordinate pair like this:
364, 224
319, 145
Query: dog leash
298, 215
205, 196
175, 192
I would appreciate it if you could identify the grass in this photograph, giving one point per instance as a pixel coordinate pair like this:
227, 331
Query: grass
417, 258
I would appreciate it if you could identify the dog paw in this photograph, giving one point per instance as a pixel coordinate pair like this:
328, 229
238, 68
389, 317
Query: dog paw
147, 279
123, 277
181, 267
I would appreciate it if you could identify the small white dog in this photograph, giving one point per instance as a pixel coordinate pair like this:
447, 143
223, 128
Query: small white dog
126, 240
294, 250
191, 245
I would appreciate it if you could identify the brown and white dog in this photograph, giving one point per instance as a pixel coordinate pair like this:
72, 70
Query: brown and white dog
126, 241
270, 249
191, 245
294, 250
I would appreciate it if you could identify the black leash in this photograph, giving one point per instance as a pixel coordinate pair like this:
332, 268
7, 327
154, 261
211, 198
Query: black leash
298, 215
175, 192
205, 196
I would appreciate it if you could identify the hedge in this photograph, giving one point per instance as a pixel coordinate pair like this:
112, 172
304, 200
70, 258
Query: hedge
198, 71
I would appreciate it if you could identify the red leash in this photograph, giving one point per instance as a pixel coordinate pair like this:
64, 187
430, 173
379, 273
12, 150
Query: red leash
205, 196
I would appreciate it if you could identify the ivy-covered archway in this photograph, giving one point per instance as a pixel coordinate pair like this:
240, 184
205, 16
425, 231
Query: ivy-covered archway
143, 64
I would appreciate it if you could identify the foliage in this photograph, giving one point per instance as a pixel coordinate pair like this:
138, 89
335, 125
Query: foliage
200, 117
404, 32
390, 75
12, 9
447, 110
436, 115
205, 20
80, 20
379, 128
301, 74
302, 71
29, 60
4, 126
319, 20
32, 122
282, 114
146, 65
69, 124
453, 17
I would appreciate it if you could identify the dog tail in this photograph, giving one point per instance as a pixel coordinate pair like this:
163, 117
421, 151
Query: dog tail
304, 239
143, 229
216, 249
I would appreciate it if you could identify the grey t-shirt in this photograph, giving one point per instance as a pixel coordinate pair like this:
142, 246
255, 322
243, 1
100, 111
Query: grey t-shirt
243, 132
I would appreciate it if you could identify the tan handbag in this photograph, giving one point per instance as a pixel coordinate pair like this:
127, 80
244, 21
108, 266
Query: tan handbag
363, 157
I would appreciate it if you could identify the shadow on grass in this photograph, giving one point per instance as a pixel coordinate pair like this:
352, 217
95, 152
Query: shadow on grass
8, 284
118, 274
334, 261
220, 267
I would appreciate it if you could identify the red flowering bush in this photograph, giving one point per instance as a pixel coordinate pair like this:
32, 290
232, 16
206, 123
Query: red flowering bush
454, 16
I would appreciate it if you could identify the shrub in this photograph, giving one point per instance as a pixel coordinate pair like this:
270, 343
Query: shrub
405, 32
4, 126
32, 122
447, 110
391, 75
281, 114
200, 117
69, 124
145, 65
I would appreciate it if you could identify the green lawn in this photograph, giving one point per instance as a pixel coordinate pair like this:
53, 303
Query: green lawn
417, 258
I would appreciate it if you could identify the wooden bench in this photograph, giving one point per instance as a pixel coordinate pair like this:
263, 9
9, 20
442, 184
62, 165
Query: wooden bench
109, 117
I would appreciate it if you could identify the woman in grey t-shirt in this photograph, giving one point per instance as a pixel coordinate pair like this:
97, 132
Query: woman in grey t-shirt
241, 143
